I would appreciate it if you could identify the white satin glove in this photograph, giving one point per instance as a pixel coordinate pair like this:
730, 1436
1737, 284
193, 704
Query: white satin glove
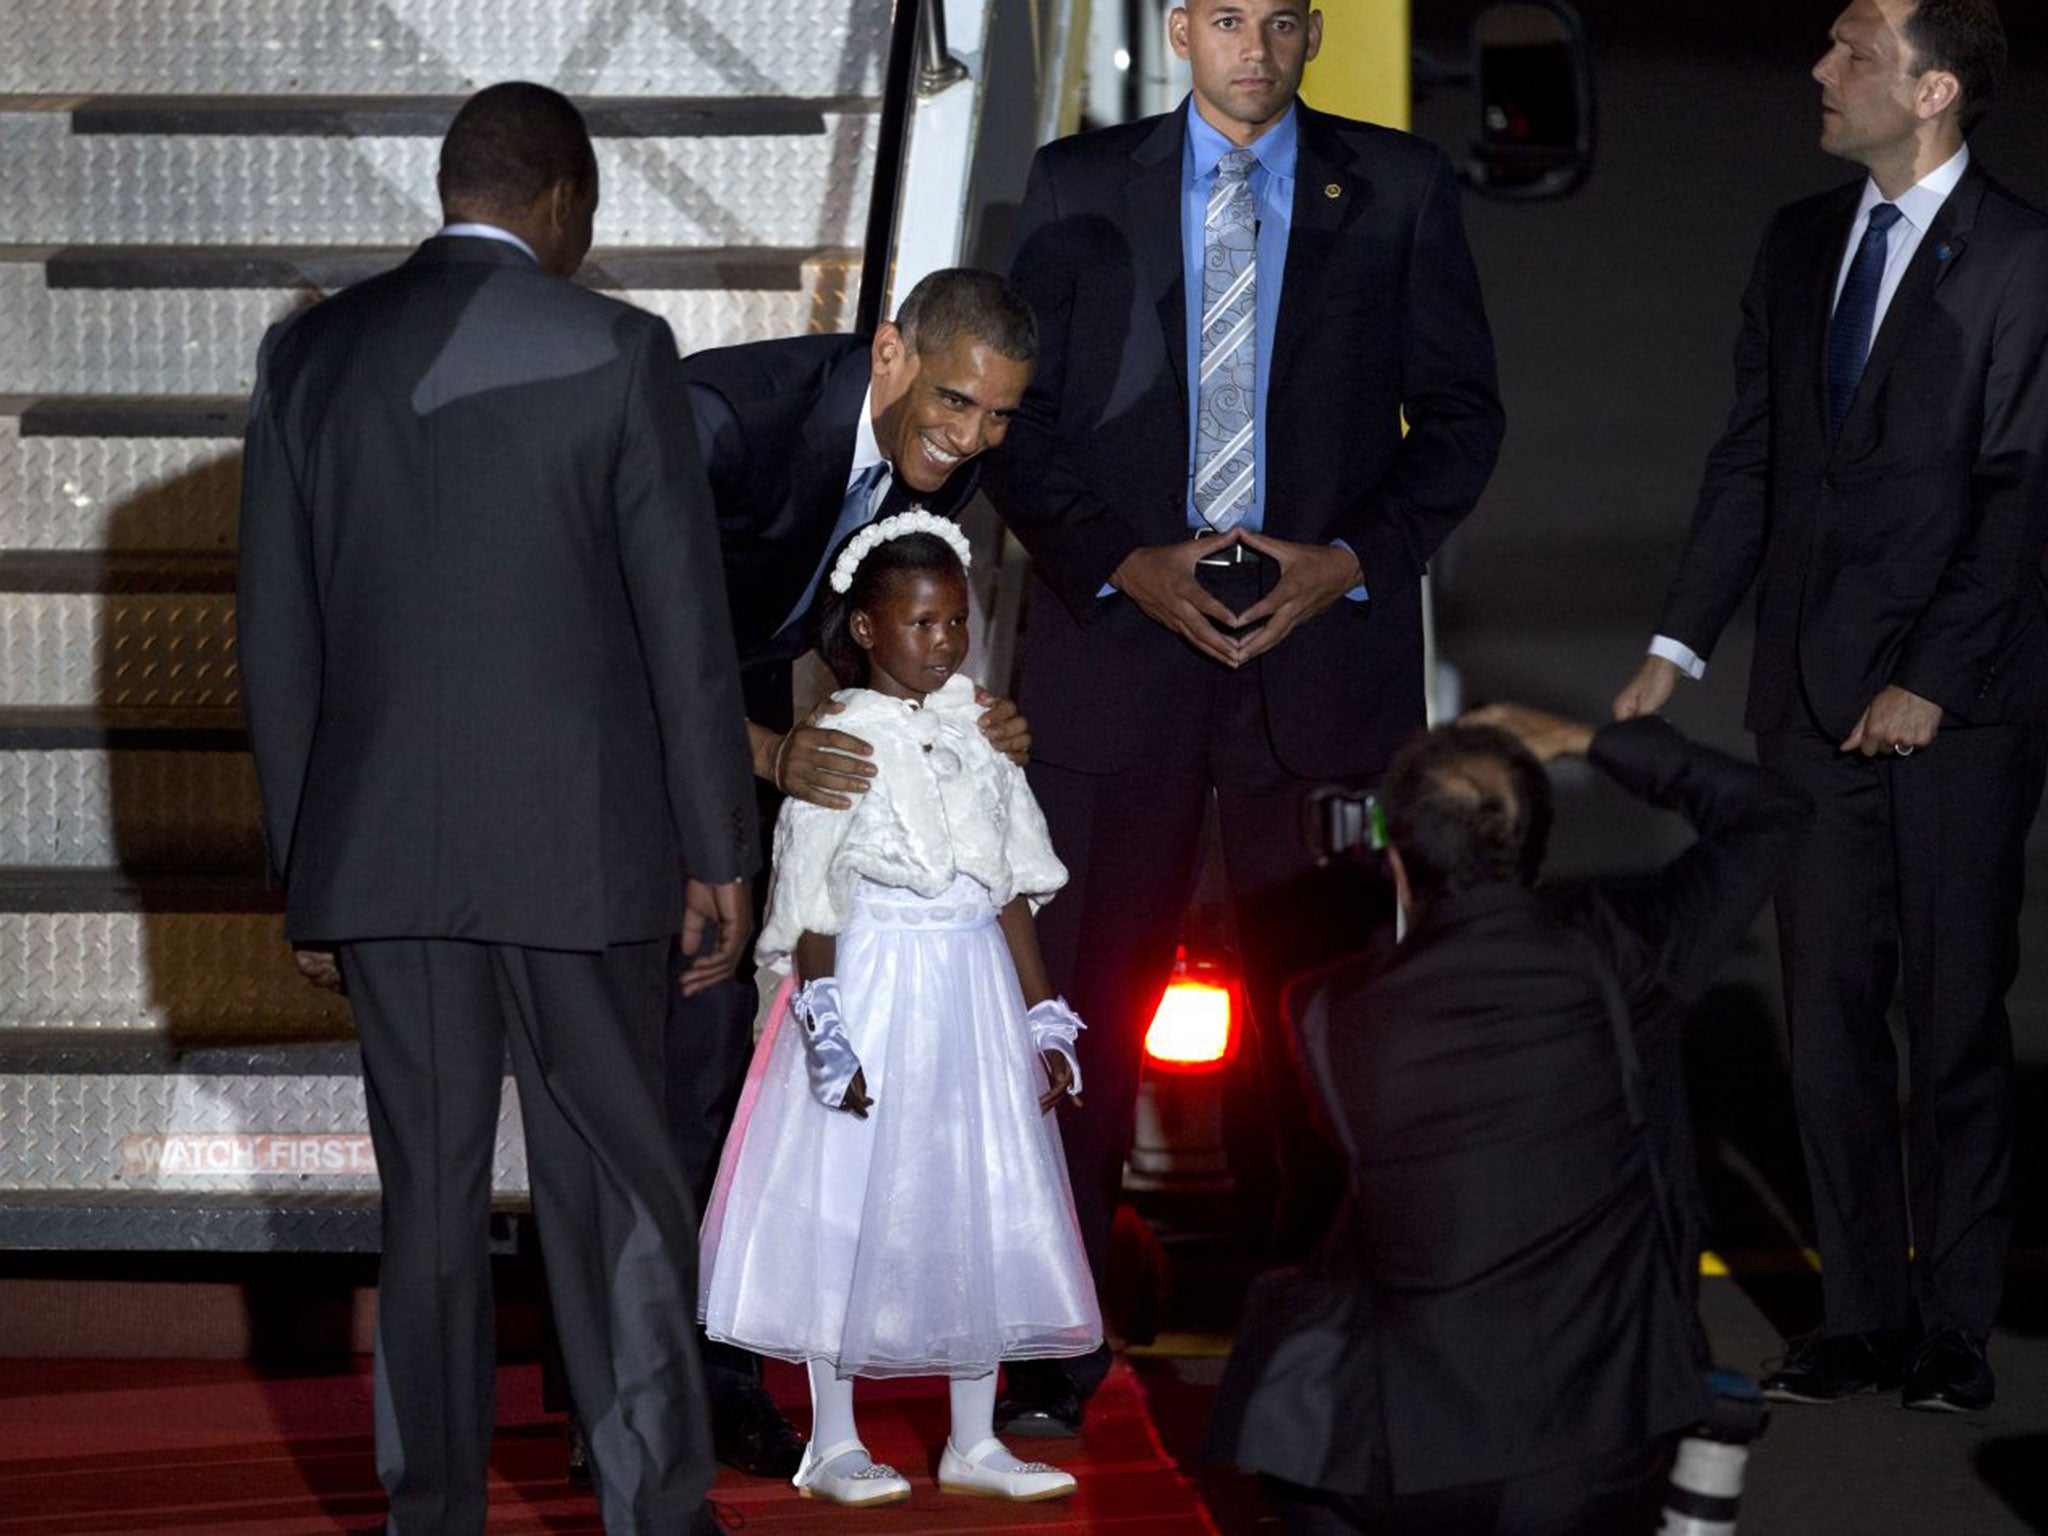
1053, 1027
828, 1054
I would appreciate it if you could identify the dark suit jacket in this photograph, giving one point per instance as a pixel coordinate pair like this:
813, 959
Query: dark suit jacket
1907, 550
776, 421
1501, 1297
483, 640
1380, 313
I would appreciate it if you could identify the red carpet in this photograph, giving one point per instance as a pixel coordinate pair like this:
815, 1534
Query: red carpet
181, 1448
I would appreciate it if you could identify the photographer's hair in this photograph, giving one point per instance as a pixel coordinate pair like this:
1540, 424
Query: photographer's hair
1467, 805
508, 145
886, 562
966, 301
1966, 38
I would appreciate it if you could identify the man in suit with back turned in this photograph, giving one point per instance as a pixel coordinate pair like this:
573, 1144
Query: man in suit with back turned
496, 716
807, 439
1238, 302
1883, 481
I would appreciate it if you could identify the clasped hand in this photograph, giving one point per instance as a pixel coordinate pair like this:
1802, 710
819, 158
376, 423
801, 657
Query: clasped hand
1161, 580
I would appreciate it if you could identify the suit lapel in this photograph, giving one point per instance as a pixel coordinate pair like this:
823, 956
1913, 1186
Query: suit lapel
1153, 207
1940, 248
817, 481
1320, 165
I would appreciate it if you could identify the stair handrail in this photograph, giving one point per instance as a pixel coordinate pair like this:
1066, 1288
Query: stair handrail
919, 64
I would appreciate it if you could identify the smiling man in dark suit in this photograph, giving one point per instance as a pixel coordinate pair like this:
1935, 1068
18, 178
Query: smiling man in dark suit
496, 718
1239, 302
1884, 482
807, 439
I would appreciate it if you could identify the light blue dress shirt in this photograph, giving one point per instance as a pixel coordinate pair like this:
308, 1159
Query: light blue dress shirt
490, 232
1272, 184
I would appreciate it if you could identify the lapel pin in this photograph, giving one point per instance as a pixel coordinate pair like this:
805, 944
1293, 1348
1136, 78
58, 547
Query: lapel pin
1943, 252
1333, 191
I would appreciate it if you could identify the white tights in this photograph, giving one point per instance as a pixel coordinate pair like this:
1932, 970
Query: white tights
974, 1414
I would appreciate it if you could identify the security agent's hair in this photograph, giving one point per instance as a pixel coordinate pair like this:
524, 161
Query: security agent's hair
509, 144
1467, 805
886, 562
966, 301
1966, 38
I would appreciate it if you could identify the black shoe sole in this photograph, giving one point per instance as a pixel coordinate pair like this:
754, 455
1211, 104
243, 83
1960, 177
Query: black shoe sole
1939, 1404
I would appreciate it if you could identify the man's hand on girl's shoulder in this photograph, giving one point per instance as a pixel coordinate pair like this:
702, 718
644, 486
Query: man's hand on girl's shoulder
1005, 727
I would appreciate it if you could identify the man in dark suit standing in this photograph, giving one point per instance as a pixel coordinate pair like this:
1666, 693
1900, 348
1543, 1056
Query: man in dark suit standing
491, 690
1498, 1334
806, 440
1238, 304
1884, 482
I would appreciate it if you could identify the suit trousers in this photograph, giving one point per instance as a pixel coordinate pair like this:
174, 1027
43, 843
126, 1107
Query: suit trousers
435, 1018
1913, 868
1130, 841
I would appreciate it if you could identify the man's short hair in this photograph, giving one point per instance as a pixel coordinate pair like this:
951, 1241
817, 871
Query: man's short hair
1467, 805
1966, 38
965, 301
509, 144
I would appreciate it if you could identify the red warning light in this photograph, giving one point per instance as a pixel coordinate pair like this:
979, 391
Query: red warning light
1195, 1027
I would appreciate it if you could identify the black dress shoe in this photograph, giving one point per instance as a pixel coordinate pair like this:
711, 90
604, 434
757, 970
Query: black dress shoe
1949, 1374
1040, 1415
1827, 1369
579, 1453
749, 1434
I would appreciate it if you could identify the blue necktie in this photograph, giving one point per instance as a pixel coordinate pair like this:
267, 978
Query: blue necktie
1226, 399
853, 513
1855, 313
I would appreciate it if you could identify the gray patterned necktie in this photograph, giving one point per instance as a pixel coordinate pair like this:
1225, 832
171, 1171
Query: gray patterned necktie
1227, 397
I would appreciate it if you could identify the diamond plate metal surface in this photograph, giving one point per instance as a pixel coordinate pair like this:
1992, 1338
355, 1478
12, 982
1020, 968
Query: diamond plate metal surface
186, 1131
131, 809
204, 341
138, 493
57, 187
611, 47
183, 975
66, 648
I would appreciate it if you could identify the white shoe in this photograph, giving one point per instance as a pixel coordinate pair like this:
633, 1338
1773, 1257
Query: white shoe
1024, 1482
865, 1483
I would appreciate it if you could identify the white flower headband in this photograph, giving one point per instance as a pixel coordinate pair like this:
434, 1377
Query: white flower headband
916, 520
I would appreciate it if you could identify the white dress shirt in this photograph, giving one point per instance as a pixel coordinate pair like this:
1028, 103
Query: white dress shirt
867, 449
1917, 206
488, 232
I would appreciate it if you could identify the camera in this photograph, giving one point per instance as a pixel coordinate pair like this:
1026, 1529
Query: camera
1336, 823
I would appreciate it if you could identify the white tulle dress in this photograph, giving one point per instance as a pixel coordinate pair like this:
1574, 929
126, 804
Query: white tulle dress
937, 1236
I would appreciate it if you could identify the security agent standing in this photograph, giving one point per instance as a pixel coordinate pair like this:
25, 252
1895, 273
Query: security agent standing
806, 440
1242, 303
1883, 484
493, 702
1498, 1336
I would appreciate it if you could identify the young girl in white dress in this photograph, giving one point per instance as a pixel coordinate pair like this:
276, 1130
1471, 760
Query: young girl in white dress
892, 1200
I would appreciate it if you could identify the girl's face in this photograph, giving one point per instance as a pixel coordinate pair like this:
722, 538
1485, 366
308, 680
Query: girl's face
915, 632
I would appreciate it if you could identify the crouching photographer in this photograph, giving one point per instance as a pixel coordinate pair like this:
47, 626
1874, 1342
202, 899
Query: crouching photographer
1498, 1335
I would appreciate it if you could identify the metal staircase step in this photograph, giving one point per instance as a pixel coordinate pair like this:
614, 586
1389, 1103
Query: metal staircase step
207, 417
121, 730
117, 649
766, 47
59, 187
102, 891
79, 968
387, 116
95, 795
110, 570
125, 1142
328, 268
203, 341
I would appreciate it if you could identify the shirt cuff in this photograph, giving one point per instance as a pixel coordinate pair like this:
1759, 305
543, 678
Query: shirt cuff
1357, 594
1680, 655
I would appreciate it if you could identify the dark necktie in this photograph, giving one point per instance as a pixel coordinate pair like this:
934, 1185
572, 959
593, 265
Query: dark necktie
853, 513
1855, 314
